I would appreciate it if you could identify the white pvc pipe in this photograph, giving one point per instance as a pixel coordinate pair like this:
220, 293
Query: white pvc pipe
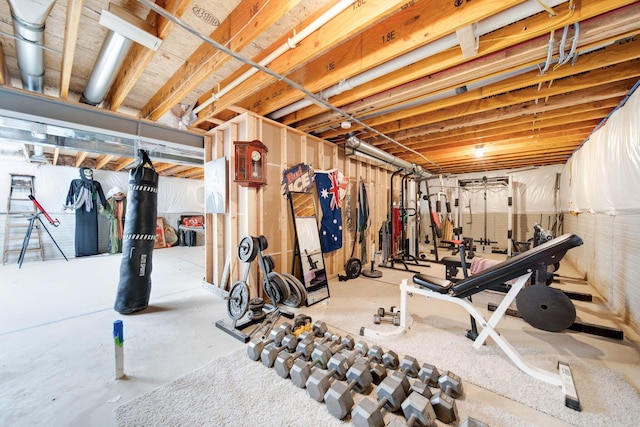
485, 26
291, 43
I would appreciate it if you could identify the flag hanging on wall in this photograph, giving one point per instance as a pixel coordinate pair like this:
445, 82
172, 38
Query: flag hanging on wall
328, 184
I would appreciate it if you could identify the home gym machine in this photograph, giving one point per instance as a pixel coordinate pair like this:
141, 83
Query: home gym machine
398, 231
486, 184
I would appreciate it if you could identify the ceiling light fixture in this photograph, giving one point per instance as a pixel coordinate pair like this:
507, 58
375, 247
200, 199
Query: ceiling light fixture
479, 151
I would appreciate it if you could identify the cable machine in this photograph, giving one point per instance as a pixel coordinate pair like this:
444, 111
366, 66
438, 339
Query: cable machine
485, 184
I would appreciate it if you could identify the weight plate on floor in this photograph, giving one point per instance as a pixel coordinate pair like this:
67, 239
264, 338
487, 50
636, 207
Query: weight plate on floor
302, 290
352, 268
281, 284
238, 301
247, 249
546, 308
295, 296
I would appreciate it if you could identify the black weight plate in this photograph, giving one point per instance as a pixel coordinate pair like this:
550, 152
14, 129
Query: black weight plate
301, 289
295, 297
238, 301
247, 249
269, 263
263, 243
352, 268
546, 308
281, 284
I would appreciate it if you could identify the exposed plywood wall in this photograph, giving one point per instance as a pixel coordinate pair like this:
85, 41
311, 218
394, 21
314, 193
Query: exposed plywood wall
265, 211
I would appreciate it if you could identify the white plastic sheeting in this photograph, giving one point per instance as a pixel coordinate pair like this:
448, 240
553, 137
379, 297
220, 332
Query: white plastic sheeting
533, 191
175, 195
603, 176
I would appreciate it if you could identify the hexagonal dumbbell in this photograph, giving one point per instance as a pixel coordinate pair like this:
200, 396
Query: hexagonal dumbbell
418, 411
390, 359
319, 381
372, 356
345, 343
270, 353
429, 375
450, 384
410, 367
390, 393
285, 360
255, 347
338, 398
445, 407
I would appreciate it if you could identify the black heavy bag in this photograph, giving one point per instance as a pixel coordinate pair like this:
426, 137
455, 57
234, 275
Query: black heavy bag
138, 238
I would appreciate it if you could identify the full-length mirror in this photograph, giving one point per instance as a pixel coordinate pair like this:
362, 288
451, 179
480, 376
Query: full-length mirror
308, 259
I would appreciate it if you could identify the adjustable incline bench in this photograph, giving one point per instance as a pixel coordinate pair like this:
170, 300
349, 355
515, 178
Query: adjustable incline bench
519, 267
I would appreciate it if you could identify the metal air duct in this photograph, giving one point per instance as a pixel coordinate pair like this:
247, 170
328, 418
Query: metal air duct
124, 30
29, 17
357, 144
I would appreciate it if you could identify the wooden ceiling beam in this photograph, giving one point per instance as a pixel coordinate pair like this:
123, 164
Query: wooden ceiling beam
160, 166
592, 82
393, 37
498, 135
448, 80
580, 112
243, 25
593, 94
103, 160
139, 57
406, 30
510, 50
74, 12
596, 64
123, 163
80, 157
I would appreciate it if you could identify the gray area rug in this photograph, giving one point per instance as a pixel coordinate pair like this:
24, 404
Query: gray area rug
234, 390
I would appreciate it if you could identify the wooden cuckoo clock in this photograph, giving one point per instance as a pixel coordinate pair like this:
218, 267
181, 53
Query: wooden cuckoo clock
251, 163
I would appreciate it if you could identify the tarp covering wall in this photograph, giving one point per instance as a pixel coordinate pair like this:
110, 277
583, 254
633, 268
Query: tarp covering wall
175, 195
603, 176
533, 190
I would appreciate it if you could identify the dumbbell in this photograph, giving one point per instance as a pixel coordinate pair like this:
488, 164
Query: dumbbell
338, 398
418, 386
319, 381
418, 411
429, 374
285, 360
377, 319
409, 366
450, 384
270, 352
382, 312
254, 350
390, 393
373, 357
390, 359
301, 371
444, 407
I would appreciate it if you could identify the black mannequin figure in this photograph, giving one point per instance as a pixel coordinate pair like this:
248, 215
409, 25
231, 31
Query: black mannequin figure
83, 198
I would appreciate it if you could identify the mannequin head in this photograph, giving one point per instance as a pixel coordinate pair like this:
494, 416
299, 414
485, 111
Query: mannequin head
86, 174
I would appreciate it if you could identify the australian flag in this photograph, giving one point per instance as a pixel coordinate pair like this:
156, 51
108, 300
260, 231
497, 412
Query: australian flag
331, 225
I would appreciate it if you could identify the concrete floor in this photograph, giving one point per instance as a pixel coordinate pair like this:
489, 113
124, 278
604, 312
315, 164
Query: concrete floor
56, 321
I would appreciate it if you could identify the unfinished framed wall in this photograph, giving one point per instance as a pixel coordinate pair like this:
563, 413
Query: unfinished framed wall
265, 210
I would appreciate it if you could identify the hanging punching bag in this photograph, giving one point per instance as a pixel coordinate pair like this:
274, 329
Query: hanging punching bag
138, 238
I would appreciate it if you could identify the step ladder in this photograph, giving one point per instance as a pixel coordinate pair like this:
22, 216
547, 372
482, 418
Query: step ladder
20, 209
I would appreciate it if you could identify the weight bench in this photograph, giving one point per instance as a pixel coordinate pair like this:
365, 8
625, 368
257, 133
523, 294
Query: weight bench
520, 268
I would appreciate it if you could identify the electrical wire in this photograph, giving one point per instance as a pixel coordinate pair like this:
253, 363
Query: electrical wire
161, 11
